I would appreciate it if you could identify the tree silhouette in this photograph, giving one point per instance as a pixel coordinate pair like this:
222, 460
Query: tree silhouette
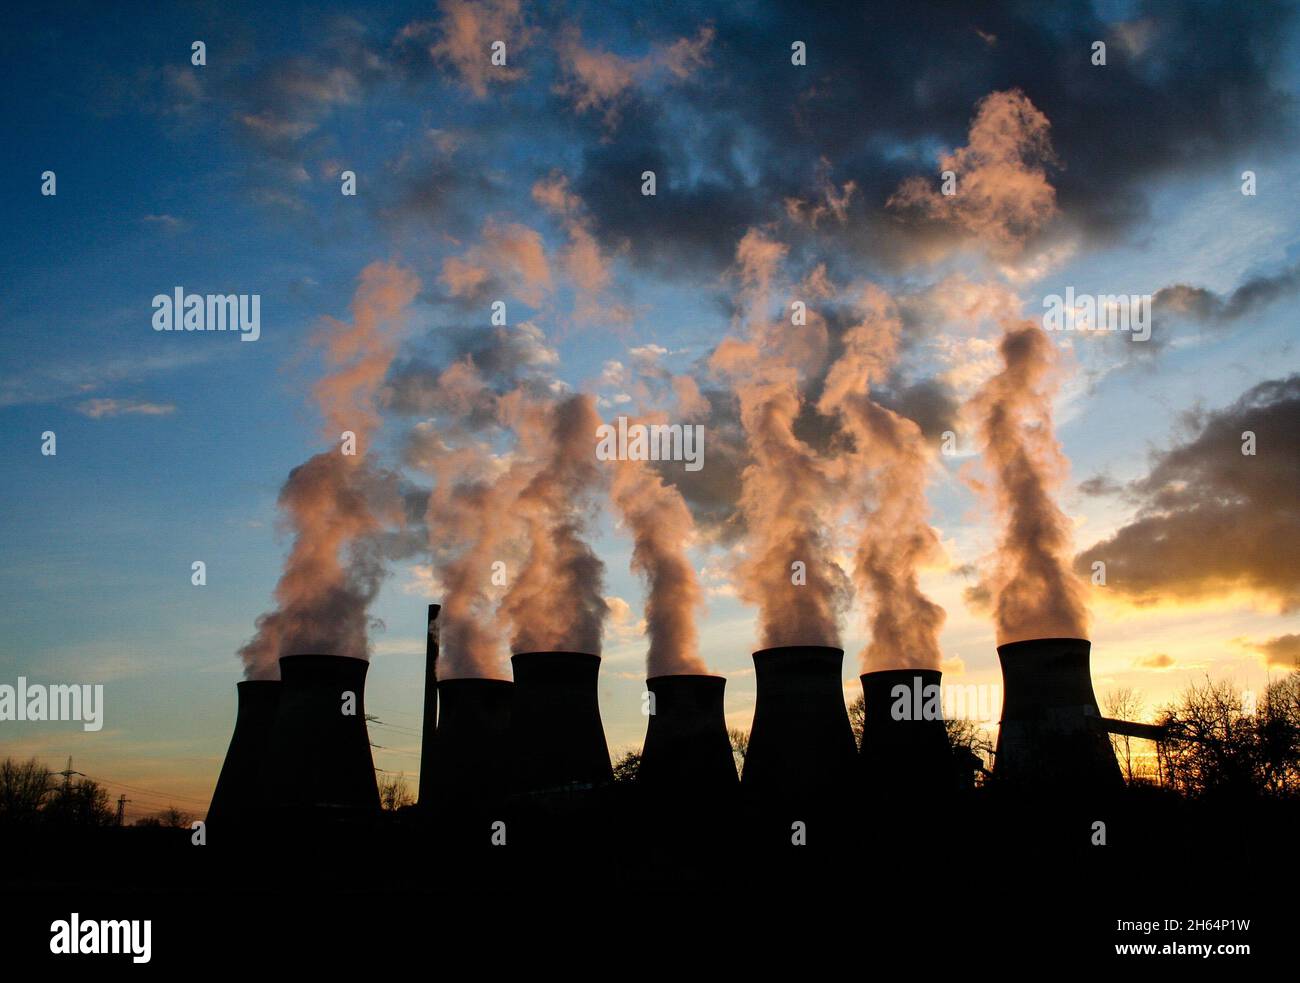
739, 746
1210, 750
1277, 732
626, 766
393, 792
1125, 703
971, 745
83, 803
169, 818
24, 788
858, 718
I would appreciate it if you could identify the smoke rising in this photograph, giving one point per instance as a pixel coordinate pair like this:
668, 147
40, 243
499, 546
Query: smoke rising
335, 503
1035, 594
786, 486
888, 468
470, 522
556, 601
662, 527
487, 441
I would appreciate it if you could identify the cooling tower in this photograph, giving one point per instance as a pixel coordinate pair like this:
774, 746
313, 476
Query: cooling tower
1049, 736
428, 731
557, 741
238, 795
473, 736
800, 743
686, 749
905, 748
319, 763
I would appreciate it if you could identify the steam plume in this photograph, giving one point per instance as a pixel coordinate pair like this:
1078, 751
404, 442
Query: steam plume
888, 464
335, 502
785, 487
1035, 593
662, 526
471, 522
556, 601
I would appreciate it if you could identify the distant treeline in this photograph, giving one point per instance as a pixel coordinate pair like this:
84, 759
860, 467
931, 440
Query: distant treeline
32, 795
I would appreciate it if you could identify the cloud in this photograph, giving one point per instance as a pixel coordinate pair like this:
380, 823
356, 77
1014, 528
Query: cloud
511, 258
594, 79
1002, 195
728, 154
97, 409
585, 262
930, 404
480, 366
1282, 651
1201, 306
1212, 519
1099, 485
1160, 660
288, 98
465, 33
830, 200
46, 384
622, 625
170, 223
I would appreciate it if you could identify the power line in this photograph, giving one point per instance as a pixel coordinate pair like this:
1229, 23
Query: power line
148, 791
156, 792
411, 732
374, 719
403, 713
132, 788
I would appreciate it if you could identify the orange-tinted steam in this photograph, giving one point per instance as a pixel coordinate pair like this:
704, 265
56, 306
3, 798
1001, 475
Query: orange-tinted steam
662, 527
334, 502
888, 467
1034, 591
556, 601
471, 522
786, 487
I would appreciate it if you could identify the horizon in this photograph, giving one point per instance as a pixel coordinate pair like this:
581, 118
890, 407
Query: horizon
523, 184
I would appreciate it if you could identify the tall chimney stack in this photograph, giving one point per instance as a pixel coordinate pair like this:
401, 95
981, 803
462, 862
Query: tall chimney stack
557, 741
800, 744
237, 799
428, 729
1050, 738
905, 750
318, 763
473, 736
687, 751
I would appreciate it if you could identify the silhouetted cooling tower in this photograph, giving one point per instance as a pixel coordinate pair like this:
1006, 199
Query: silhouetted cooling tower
319, 759
905, 747
473, 737
556, 737
1050, 736
428, 731
800, 743
238, 795
686, 745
